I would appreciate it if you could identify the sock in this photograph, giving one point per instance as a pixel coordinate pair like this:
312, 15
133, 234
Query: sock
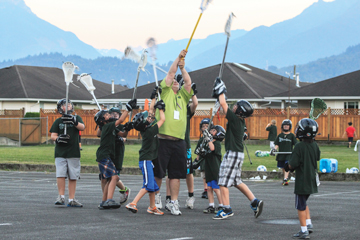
172, 201
211, 204
253, 202
70, 200
303, 229
308, 221
62, 196
205, 190
108, 199
123, 190
102, 202
191, 194
221, 205
168, 197
227, 206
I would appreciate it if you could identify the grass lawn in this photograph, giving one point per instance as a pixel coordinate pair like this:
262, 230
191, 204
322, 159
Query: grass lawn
44, 154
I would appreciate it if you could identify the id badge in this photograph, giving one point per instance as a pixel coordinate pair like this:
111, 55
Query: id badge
176, 115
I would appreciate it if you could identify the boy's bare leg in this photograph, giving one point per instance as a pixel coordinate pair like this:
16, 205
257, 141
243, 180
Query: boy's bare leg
225, 195
60, 181
168, 193
152, 199
112, 186
218, 195
105, 190
190, 182
245, 190
158, 182
120, 185
140, 194
286, 174
210, 194
303, 215
72, 188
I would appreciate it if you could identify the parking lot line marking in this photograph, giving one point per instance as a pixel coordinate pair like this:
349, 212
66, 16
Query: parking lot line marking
5, 224
183, 238
338, 193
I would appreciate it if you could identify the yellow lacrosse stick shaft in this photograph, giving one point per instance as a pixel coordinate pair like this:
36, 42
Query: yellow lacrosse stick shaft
193, 32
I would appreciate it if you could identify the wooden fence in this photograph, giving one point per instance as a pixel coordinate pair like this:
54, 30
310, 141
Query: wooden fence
332, 123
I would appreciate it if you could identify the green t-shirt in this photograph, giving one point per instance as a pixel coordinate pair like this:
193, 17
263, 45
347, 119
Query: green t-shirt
285, 143
234, 132
119, 148
107, 143
71, 149
150, 143
187, 133
212, 163
174, 102
304, 160
272, 132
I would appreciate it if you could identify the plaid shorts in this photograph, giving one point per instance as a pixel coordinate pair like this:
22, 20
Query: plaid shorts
107, 168
230, 169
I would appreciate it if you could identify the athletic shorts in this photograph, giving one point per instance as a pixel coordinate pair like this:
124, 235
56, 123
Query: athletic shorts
350, 139
189, 167
101, 176
107, 168
79, 138
68, 167
300, 201
272, 145
171, 157
230, 169
213, 184
149, 182
281, 164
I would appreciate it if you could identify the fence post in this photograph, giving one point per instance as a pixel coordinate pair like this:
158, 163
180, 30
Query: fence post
288, 112
23, 112
19, 132
329, 122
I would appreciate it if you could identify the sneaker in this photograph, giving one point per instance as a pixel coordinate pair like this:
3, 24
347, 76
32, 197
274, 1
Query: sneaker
155, 211
101, 207
132, 207
167, 205
258, 208
285, 182
219, 209
174, 207
60, 201
111, 204
158, 203
209, 209
301, 235
124, 195
222, 214
74, 203
190, 202
310, 228
204, 195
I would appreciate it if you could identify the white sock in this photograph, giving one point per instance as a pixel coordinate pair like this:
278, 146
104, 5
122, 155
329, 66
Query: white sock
62, 196
308, 221
211, 204
252, 200
221, 205
303, 229
172, 201
70, 200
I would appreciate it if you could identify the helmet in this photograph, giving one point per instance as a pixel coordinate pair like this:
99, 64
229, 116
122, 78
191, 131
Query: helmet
306, 128
140, 121
115, 109
99, 117
62, 102
286, 122
204, 121
179, 79
244, 109
220, 135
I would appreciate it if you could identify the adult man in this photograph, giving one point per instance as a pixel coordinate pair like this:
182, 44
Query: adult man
172, 147
67, 151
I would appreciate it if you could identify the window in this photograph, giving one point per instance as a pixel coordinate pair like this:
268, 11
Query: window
351, 105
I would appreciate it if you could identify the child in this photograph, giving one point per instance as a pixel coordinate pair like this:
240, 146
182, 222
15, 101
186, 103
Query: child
230, 168
284, 142
212, 165
304, 160
105, 154
271, 128
67, 151
149, 128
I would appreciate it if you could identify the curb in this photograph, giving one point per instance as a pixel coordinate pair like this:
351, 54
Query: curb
137, 171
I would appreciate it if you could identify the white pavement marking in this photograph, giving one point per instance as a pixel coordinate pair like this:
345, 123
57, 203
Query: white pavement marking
338, 193
181, 238
5, 224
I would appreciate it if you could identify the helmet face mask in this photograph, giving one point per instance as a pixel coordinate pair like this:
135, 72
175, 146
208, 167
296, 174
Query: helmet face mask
218, 132
243, 109
115, 112
101, 118
141, 122
286, 122
61, 106
204, 123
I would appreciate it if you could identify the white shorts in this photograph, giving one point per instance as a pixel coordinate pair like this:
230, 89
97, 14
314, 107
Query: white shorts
230, 169
68, 167
272, 145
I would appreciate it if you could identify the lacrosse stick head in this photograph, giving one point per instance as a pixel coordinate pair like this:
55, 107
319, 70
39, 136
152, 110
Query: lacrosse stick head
228, 24
318, 107
204, 5
131, 54
68, 69
143, 60
151, 43
87, 81
61, 106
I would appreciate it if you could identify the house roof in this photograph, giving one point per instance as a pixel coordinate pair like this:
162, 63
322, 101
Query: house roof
341, 87
241, 80
28, 82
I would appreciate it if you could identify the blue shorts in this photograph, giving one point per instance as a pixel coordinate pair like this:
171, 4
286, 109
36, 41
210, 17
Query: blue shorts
107, 168
213, 184
281, 164
149, 182
300, 201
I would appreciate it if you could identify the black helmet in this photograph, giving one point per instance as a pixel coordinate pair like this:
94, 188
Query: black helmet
286, 122
204, 121
99, 117
115, 109
140, 121
62, 102
306, 128
220, 135
244, 109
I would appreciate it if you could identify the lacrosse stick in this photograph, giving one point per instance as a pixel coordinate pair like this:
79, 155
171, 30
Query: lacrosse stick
152, 47
131, 54
318, 107
87, 81
247, 152
203, 6
228, 33
282, 152
68, 69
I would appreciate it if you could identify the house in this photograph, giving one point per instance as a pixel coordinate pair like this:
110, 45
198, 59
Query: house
242, 81
33, 88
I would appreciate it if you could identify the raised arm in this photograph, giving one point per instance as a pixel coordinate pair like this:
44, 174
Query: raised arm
223, 103
193, 104
172, 71
185, 75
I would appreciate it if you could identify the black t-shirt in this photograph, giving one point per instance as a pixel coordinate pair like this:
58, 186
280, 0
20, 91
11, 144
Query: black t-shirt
212, 163
285, 143
150, 143
234, 132
107, 142
272, 132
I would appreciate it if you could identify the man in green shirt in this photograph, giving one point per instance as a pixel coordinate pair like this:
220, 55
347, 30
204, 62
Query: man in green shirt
67, 151
272, 129
172, 147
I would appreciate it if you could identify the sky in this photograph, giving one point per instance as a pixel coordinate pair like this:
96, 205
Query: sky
115, 24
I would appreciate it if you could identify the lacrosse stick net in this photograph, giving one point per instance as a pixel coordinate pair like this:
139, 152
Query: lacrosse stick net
151, 43
318, 107
68, 69
87, 81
